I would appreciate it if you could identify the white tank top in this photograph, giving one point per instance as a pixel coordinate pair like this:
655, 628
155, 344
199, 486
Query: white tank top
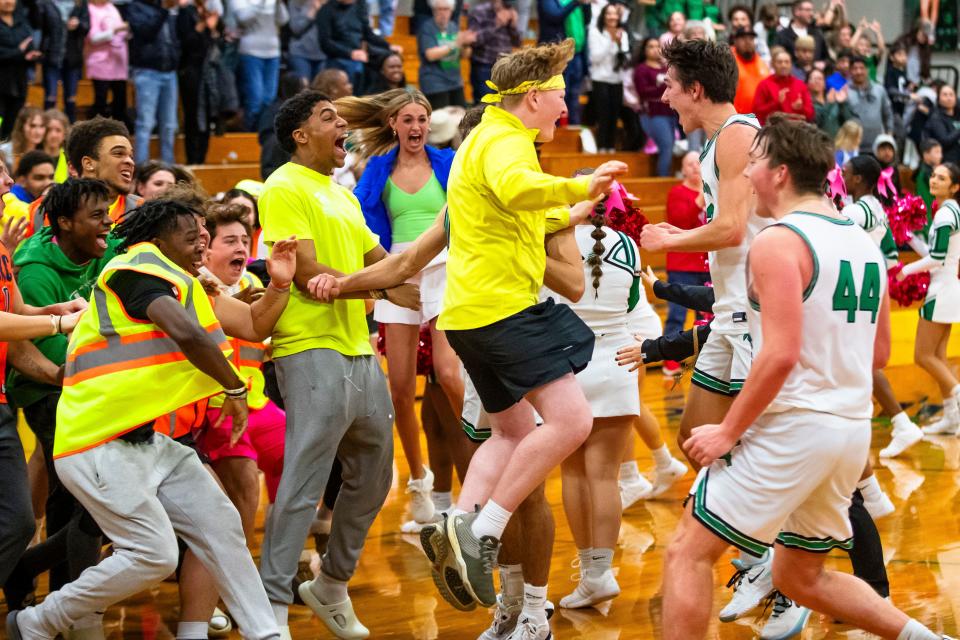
868, 214
945, 222
841, 307
727, 266
620, 296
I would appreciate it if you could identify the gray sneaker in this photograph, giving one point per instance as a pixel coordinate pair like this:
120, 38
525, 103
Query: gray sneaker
475, 558
443, 567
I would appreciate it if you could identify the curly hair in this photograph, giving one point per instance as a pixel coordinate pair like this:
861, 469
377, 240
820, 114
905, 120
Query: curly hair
292, 114
64, 200
223, 214
154, 219
710, 64
802, 147
368, 118
85, 138
538, 64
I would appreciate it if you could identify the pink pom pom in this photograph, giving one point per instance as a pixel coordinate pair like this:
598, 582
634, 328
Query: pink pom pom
912, 289
424, 349
907, 214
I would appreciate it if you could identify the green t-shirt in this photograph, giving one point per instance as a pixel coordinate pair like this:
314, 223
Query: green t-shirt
413, 213
298, 201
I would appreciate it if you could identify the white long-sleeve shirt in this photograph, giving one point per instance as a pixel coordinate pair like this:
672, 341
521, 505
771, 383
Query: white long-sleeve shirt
603, 56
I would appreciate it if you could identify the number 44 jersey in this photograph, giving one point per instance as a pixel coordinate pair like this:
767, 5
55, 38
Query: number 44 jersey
841, 308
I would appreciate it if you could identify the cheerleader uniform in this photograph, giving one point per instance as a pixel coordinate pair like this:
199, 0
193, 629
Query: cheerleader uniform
942, 303
614, 311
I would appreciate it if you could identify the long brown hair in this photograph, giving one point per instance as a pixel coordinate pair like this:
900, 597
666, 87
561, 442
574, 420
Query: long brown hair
18, 138
368, 118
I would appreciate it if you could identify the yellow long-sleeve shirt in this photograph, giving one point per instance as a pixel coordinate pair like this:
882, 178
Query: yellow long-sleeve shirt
498, 198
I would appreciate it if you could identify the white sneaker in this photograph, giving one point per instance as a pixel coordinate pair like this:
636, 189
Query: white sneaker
905, 434
949, 423
529, 629
880, 507
750, 586
504, 620
592, 591
634, 490
421, 504
787, 620
663, 479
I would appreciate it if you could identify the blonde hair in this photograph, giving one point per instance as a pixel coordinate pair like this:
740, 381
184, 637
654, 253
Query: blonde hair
368, 118
538, 64
55, 114
849, 136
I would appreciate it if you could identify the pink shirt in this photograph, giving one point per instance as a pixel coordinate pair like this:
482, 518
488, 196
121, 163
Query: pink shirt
105, 52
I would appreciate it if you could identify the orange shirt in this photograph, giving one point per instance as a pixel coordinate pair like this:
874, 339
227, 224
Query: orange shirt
7, 289
750, 74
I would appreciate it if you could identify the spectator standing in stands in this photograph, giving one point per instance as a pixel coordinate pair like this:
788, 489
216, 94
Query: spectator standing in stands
830, 108
423, 13
869, 103
943, 125
657, 119
751, 68
441, 44
768, 24
77, 25
198, 29
863, 46
685, 211
609, 54
675, 27
782, 93
348, 40
740, 17
387, 10
106, 59
45, 18
56, 126
155, 57
390, 75
18, 53
26, 135
919, 50
306, 57
559, 20
803, 61
841, 74
898, 86
495, 27
259, 22
803, 24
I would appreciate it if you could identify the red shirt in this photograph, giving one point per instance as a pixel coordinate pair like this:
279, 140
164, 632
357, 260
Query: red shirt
684, 212
7, 289
767, 99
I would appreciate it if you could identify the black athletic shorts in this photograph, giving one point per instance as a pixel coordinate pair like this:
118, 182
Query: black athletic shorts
511, 357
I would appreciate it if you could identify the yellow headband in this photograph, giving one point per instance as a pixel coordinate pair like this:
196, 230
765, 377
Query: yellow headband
556, 82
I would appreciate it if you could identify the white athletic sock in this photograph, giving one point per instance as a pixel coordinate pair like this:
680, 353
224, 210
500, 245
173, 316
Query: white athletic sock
601, 561
748, 560
329, 590
870, 489
280, 612
491, 521
955, 392
511, 583
192, 630
662, 457
913, 630
629, 472
534, 603
585, 556
441, 499
901, 420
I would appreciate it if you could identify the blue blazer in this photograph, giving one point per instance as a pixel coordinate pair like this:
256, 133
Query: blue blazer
369, 190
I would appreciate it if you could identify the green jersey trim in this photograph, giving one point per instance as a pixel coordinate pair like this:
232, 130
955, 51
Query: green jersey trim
813, 545
722, 529
844, 222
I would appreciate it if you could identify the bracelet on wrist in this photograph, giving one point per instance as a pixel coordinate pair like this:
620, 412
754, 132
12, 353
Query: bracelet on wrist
278, 288
239, 392
378, 294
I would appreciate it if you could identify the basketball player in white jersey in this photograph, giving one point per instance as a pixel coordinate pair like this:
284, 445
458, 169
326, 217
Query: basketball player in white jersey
783, 463
701, 84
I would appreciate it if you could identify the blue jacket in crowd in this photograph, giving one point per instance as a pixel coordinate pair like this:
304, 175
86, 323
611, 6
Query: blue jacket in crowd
369, 190
155, 44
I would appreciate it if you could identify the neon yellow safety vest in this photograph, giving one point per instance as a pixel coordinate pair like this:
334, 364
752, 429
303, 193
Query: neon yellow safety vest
248, 358
122, 373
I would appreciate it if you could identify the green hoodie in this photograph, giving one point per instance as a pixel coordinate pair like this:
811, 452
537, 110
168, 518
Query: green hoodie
47, 276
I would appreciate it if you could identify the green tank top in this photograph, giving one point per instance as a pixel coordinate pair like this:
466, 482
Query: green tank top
412, 213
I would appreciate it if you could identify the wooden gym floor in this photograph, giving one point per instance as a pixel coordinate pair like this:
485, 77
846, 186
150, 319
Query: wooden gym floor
394, 596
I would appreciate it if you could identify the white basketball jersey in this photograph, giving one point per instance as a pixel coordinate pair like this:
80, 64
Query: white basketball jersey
868, 214
841, 308
727, 266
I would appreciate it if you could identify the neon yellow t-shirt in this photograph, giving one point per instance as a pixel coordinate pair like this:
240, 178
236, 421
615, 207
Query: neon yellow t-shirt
299, 201
498, 198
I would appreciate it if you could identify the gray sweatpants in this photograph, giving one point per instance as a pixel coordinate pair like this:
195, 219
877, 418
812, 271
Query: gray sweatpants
143, 496
337, 406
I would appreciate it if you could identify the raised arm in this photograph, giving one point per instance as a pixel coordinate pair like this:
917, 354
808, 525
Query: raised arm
736, 201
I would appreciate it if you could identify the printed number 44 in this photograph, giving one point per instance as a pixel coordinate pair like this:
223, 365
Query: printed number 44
845, 297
